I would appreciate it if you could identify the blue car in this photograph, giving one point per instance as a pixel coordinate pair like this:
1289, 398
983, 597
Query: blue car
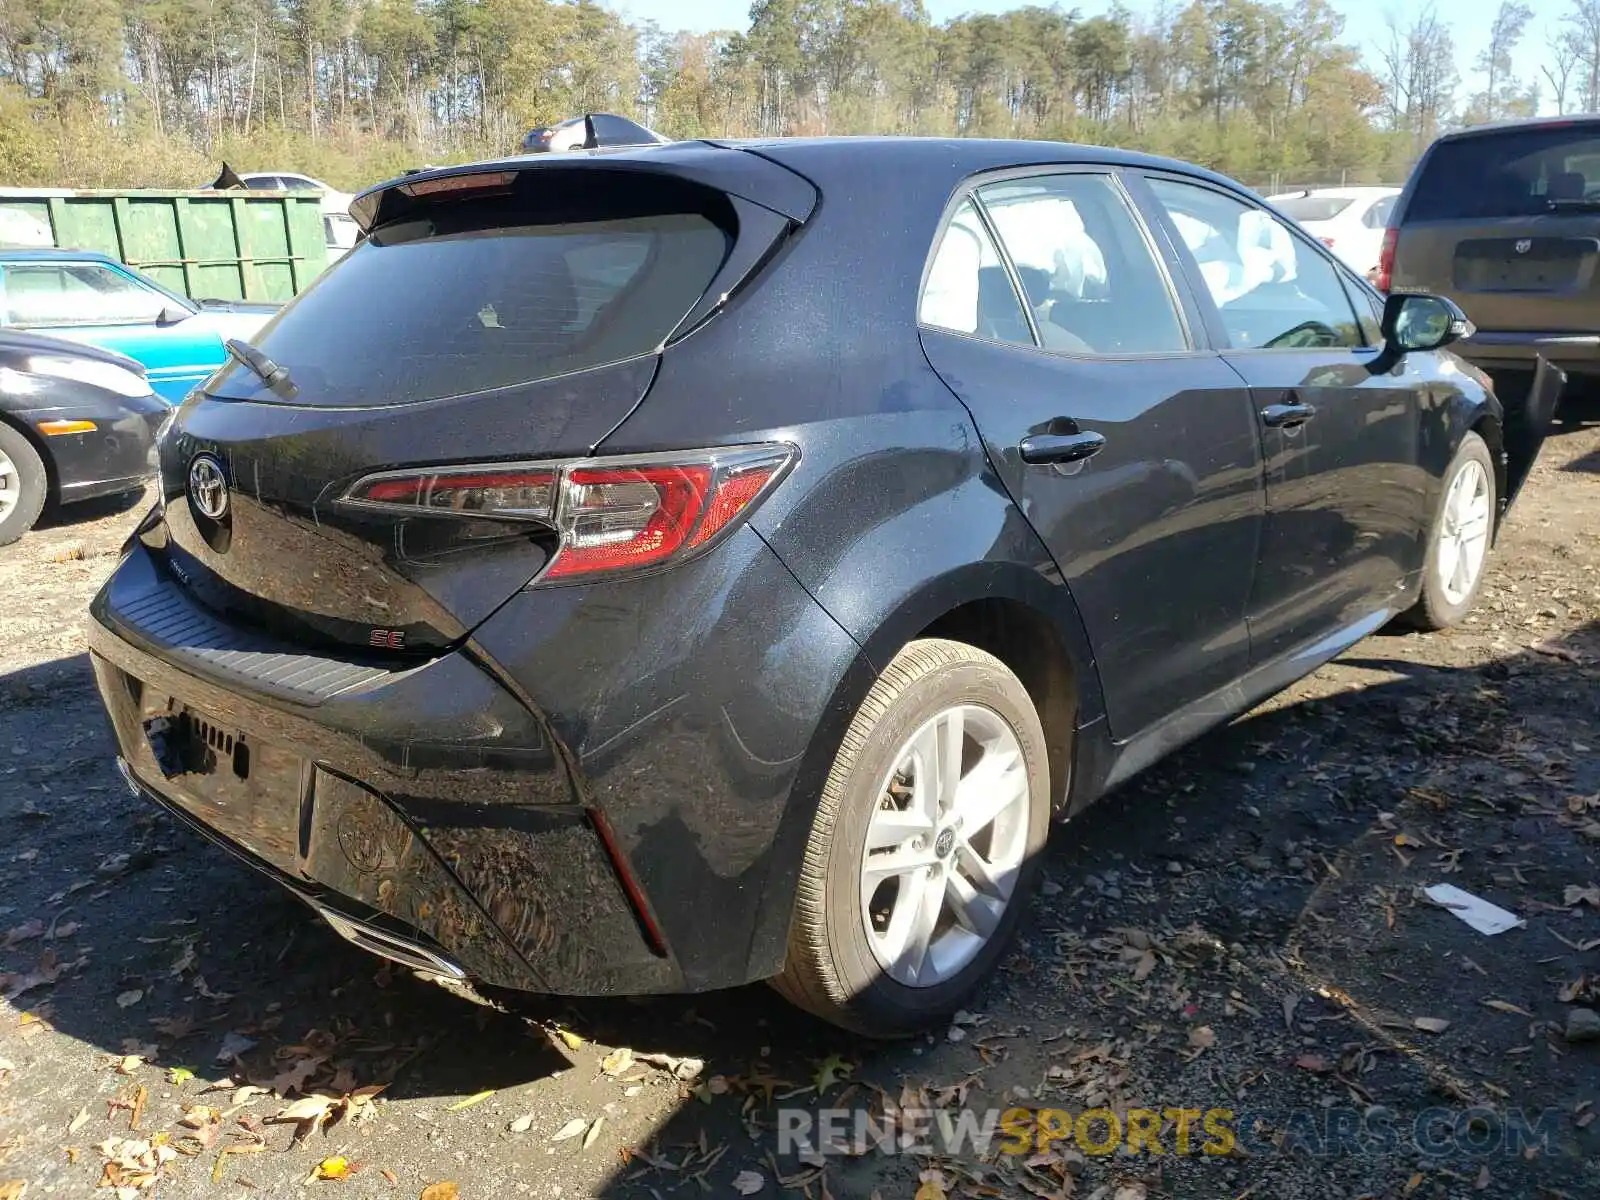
86, 296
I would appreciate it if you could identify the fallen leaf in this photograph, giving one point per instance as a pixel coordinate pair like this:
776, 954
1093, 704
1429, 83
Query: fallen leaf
1506, 1007
1412, 1184
475, 1098
173, 1027
1131, 1191
748, 1183
27, 931
573, 1041
78, 1121
618, 1061
394, 1180
1312, 1062
830, 1071
594, 1132
307, 1108
297, 1076
1202, 1037
571, 1129
336, 1168
929, 1189
12, 1189
179, 1074
233, 1045
521, 1124
222, 1158
1483, 1178
441, 1191
1146, 964
129, 1063
130, 997
1431, 1024
1573, 896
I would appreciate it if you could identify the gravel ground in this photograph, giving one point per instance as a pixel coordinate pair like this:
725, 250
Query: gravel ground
1240, 929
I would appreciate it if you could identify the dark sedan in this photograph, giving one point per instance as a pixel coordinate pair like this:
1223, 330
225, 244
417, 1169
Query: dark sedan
76, 422
662, 569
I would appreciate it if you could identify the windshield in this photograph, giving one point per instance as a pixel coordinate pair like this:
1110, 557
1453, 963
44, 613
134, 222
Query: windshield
1313, 208
458, 302
1518, 172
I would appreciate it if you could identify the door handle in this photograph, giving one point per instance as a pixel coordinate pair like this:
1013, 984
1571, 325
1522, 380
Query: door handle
1287, 416
1057, 448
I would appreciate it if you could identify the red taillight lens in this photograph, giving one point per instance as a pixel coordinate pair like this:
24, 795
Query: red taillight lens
473, 492
612, 514
1385, 279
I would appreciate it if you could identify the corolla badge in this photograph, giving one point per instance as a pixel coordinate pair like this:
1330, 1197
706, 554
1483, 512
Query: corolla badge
1524, 245
208, 487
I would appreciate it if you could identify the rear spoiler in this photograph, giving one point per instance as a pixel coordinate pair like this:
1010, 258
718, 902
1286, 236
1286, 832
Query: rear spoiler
730, 170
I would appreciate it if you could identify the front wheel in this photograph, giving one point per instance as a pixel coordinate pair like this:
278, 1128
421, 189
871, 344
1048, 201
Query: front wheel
925, 844
1458, 546
24, 485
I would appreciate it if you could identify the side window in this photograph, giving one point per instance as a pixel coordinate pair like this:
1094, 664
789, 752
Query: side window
1369, 311
1378, 215
1088, 272
298, 183
1273, 290
47, 294
263, 183
968, 290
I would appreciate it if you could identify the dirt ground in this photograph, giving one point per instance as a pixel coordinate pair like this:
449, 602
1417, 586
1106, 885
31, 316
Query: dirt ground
1240, 929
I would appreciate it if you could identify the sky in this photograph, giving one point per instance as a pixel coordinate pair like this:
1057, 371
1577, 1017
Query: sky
1365, 23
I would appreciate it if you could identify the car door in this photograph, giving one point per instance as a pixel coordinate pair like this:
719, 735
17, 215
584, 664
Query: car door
1346, 494
98, 303
1130, 446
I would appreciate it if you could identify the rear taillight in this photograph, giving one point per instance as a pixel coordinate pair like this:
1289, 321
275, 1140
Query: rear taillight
1391, 238
624, 513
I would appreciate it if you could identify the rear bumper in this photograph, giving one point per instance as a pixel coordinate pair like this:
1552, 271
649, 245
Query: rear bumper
550, 808
1574, 353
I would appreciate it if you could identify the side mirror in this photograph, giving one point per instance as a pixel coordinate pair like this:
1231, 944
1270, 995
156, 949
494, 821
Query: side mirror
1422, 322
172, 314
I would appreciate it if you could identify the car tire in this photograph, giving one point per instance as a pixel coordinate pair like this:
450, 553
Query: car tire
24, 485
1459, 539
848, 960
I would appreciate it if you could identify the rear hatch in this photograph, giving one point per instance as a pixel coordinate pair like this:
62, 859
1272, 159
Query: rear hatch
1507, 223
494, 317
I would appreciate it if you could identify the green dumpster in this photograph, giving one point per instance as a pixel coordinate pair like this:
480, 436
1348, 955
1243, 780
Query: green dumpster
225, 245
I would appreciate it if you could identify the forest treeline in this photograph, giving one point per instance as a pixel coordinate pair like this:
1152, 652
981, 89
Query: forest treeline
158, 92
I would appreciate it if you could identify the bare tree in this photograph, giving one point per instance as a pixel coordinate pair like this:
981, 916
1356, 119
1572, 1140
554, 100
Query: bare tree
1505, 31
1419, 66
1564, 50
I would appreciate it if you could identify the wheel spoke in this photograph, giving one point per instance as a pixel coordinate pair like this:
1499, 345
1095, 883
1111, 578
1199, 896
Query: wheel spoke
971, 909
952, 731
892, 826
919, 935
982, 872
996, 783
1461, 578
879, 867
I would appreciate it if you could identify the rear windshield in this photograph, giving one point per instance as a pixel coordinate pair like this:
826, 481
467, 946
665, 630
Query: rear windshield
461, 300
1520, 172
1313, 208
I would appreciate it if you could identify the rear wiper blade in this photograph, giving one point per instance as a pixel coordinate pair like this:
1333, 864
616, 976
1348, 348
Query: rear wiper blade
1574, 204
247, 355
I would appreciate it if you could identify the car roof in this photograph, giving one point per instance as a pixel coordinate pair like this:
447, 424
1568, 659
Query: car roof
53, 254
1527, 123
1353, 192
942, 161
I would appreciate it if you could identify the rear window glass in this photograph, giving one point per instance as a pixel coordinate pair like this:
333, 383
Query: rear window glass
1520, 172
458, 301
1313, 208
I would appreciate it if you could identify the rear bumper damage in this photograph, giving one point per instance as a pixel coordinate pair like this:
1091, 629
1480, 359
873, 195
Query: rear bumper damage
613, 824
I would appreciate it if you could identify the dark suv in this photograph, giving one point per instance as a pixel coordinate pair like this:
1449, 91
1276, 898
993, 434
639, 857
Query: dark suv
664, 569
1505, 220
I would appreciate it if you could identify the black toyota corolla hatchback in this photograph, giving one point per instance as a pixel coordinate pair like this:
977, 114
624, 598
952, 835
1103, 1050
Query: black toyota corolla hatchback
659, 570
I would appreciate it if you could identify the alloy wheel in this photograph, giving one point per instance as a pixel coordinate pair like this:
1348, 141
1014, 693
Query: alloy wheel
1464, 532
10, 485
945, 845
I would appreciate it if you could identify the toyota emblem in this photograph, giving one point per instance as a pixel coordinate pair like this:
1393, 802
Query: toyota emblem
208, 487
1524, 245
